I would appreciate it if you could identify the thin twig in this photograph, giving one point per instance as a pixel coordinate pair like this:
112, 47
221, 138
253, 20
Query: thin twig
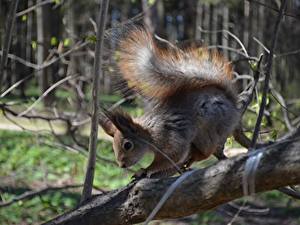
167, 194
8, 35
15, 85
31, 8
48, 62
230, 34
278, 97
90, 170
45, 94
236, 215
261, 44
290, 191
288, 53
268, 75
272, 8
31, 194
246, 96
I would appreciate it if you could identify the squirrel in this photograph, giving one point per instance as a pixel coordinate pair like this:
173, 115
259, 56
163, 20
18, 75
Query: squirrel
192, 105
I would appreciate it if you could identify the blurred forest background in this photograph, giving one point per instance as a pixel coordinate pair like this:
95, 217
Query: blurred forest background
45, 96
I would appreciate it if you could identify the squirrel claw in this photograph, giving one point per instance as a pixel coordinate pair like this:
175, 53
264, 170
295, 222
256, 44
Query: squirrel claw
142, 173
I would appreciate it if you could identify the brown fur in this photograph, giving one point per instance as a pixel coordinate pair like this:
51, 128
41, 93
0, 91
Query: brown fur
193, 105
200, 67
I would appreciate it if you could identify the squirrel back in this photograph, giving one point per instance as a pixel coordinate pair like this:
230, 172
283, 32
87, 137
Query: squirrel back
157, 72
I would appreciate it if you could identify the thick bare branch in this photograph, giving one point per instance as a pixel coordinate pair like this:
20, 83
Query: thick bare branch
206, 189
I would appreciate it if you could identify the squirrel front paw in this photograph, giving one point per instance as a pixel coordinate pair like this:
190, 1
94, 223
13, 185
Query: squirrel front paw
142, 173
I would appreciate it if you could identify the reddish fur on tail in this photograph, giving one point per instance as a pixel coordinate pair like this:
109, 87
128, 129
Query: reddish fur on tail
161, 73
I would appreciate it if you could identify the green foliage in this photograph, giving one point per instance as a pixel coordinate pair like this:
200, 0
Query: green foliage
24, 18
57, 2
151, 2
67, 42
53, 41
110, 99
27, 160
207, 218
91, 38
63, 94
33, 45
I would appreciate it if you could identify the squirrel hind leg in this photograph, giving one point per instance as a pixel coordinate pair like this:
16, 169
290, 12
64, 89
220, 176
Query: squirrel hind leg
198, 154
162, 167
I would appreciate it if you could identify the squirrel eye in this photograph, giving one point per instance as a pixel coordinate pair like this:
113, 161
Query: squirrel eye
127, 145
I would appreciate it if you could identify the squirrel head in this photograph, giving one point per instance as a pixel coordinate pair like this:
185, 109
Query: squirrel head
128, 136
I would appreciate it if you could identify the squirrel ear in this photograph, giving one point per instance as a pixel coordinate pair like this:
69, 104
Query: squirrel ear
108, 126
125, 124
117, 119
121, 121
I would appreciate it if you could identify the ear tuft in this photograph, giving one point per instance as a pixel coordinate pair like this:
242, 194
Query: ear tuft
121, 120
107, 125
124, 123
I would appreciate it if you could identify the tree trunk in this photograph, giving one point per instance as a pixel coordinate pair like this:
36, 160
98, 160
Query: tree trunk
225, 25
46, 29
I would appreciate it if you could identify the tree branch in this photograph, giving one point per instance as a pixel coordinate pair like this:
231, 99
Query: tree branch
206, 189
89, 176
268, 75
31, 194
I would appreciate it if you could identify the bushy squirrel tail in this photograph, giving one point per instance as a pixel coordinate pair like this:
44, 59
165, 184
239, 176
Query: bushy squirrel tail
158, 72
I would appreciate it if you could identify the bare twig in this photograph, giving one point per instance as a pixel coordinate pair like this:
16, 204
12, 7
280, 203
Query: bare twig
7, 39
290, 191
31, 194
278, 97
15, 85
42, 117
236, 215
246, 96
230, 34
268, 75
46, 93
274, 9
89, 177
261, 44
289, 53
48, 62
168, 193
31, 8
234, 50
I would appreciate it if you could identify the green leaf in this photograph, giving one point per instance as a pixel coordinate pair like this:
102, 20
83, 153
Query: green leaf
56, 2
53, 41
274, 134
67, 42
34, 45
24, 18
151, 2
92, 38
229, 142
253, 65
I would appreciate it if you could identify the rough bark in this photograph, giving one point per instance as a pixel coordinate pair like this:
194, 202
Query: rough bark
206, 189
